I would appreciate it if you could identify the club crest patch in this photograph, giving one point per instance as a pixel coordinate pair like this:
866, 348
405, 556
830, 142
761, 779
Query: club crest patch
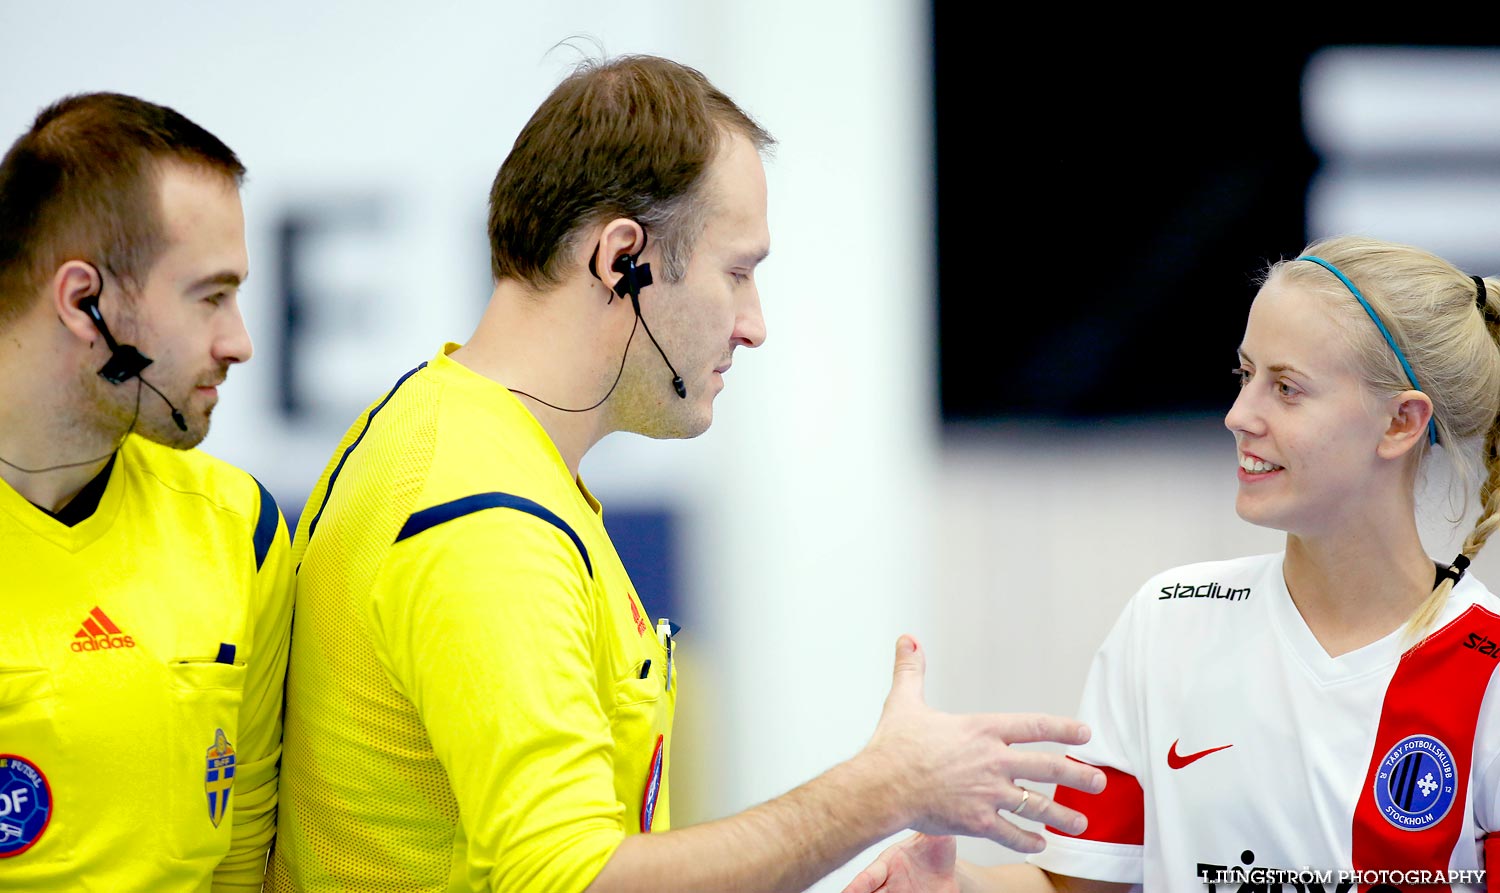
1415, 785
219, 780
653, 788
25, 804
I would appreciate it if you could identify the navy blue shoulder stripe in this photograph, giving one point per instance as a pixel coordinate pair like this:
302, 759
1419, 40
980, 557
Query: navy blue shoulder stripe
431, 517
265, 526
311, 528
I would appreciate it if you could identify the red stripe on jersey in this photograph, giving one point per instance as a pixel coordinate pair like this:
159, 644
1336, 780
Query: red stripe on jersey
1492, 863
105, 622
1116, 814
1437, 690
92, 628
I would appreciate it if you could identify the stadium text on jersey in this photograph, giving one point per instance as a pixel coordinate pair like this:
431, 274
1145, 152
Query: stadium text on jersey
1484, 645
1205, 590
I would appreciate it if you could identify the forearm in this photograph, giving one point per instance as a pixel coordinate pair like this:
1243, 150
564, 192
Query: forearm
785, 844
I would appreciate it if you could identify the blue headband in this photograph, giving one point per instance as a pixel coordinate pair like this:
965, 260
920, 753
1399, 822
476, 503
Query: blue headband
1410, 375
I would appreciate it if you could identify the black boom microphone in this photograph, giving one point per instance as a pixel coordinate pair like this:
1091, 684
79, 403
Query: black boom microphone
125, 361
632, 279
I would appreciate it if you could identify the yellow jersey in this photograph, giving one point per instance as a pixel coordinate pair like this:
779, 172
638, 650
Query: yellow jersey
141, 676
476, 698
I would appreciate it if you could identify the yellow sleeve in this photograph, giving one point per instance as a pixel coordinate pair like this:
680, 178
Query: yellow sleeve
258, 750
487, 625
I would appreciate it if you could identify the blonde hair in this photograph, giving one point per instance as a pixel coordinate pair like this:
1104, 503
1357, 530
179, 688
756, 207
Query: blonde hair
1432, 311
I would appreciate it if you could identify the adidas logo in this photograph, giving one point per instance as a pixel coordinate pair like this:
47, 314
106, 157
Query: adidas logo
99, 633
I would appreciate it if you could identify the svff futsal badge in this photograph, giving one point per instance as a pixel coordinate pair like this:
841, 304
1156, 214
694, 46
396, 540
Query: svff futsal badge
25, 804
220, 778
653, 788
1415, 785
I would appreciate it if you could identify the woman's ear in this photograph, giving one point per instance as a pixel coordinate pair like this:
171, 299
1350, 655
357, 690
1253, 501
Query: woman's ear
1410, 415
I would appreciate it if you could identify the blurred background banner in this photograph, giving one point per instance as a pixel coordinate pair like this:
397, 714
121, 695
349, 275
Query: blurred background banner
1008, 277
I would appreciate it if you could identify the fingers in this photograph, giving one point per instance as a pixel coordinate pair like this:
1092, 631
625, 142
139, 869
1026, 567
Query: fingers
1054, 768
1026, 728
1006, 834
872, 878
867, 881
1038, 807
911, 669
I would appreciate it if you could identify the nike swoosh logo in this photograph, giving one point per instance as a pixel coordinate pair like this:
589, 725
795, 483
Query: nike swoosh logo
1177, 762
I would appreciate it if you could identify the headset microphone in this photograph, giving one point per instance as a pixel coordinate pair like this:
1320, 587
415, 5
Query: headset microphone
125, 361
633, 278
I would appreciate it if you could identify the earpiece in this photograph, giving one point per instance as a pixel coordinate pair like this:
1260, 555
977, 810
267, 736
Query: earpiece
125, 361
632, 278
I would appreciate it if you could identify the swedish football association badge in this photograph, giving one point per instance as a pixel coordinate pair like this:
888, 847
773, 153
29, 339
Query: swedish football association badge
25, 804
220, 777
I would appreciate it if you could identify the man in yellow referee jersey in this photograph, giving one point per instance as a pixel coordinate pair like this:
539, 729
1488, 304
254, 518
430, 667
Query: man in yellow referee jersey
477, 700
146, 587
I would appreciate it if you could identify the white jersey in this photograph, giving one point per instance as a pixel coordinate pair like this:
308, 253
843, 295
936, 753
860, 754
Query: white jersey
1240, 755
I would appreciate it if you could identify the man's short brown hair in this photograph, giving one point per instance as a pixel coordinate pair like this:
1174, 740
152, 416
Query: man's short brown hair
83, 183
628, 137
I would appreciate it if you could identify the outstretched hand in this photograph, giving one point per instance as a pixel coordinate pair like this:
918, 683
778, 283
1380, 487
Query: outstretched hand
919, 864
956, 773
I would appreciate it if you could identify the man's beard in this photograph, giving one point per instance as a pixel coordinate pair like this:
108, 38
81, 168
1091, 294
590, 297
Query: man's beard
148, 415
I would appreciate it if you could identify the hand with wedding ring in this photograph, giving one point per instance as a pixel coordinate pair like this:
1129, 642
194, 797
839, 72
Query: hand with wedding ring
957, 774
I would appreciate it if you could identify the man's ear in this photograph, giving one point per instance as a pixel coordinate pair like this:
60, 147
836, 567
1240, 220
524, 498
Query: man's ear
620, 237
1410, 413
73, 283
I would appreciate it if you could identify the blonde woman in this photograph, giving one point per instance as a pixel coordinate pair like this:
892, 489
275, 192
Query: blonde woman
1325, 717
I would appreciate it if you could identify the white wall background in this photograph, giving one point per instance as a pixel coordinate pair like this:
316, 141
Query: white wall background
824, 515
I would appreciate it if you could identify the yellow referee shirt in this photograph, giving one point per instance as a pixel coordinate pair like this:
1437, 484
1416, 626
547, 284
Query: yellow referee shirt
476, 700
142, 654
